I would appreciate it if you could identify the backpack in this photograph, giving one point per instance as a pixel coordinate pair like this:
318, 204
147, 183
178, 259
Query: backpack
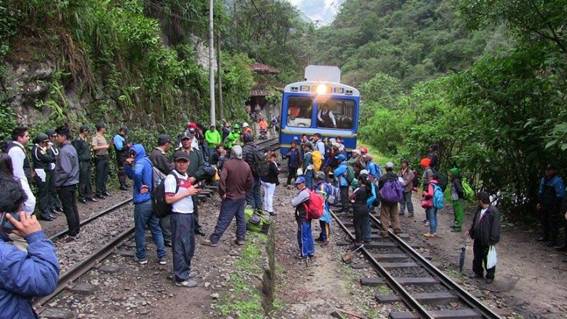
159, 205
392, 191
468, 191
315, 205
317, 160
261, 165
256, 221
438, 197
349, 174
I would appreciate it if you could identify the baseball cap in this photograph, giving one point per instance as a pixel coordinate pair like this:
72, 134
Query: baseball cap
320, 175
363, 172
41, 137
389, 165
186, 135
163, 139
180, 156
245, 124
299, 180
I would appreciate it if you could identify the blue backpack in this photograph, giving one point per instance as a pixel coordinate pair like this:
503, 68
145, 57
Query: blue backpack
438, 197
392, 191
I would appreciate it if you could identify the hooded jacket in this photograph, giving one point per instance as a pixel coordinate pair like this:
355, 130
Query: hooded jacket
341, 174
24, 275
213, 138
141, 173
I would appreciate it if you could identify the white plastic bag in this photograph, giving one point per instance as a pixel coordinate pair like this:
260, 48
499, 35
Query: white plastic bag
491, 258
300, 171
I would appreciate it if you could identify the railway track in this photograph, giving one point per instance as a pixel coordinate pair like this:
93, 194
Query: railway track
72, 274
424, 289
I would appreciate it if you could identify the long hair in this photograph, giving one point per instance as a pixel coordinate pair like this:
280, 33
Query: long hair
6, 167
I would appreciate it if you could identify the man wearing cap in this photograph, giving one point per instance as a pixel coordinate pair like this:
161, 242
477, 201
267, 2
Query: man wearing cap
233, 138
164, 166
304, 235
551, 194
179, 192
389, 212
342, 175
213, 138
319, 144
236, 178
41, 160
53, 150
139, 168
121, 146
195, 170
250, 154
66, 176
100, 148
83, 148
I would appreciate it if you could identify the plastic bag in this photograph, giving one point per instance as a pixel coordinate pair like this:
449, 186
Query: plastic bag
300, 171
491, 258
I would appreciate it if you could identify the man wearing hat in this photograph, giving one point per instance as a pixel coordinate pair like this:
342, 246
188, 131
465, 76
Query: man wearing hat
551, 194
236, 178
53, 151
179, 192
195, 170
83, 148
213, 138
41, 160
121, 146
304, 235
100, 148
164, 166
389, 211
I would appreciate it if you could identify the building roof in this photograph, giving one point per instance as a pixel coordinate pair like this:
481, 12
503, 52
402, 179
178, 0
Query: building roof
264, 68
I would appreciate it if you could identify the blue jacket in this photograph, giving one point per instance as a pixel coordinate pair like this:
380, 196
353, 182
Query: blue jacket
119, 142
373, 196
141, 173
374, 170
26, 275
341, 174
293, 158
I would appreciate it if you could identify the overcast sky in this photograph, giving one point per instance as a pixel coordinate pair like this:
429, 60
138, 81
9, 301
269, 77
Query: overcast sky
322, 10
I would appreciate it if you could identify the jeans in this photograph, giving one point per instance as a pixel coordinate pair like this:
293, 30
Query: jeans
325, 231
479, 261
165, 224
269, 190
144, 215
253, 198
69, 202
229, 209
183, 244
101, 174
305, 238
431, 214
308, 178
291, 174
85, 189
406, 202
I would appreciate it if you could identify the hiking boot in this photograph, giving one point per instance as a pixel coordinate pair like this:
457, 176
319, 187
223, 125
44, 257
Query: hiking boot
208, 242
186, 283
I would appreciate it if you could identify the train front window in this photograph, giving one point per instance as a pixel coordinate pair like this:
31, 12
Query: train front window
338, 114
299, 109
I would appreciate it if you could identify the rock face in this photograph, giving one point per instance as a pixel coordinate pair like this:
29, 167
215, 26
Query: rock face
25, 84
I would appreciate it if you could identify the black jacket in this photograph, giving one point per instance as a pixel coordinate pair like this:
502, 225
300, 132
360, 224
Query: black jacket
160, 161
41, 158
249, 152
83, 150
487, 229
272, 176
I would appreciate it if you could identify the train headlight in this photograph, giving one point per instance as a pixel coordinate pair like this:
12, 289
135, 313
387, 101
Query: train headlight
321, 89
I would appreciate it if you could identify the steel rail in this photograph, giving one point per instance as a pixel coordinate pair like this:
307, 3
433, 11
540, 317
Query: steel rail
90, 219
83, 267
405, 296
463, 295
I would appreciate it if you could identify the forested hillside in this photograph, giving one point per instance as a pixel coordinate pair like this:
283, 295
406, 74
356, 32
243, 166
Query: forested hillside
486, 80
134, 61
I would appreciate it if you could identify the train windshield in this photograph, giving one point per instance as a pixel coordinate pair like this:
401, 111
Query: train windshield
299, 109
335, 113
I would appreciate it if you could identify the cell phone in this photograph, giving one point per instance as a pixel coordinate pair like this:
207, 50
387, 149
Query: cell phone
8, 227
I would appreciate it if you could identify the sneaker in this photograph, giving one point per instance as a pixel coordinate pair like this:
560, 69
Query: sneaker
239, 242
208, 242
186, 283
92, 199
162, 261
82, 201
428, 235
141, 261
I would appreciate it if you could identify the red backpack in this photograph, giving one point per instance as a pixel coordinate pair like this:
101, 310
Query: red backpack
314, 206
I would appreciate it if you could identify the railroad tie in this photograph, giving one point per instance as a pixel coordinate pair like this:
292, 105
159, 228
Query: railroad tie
374, 281
436, 298
440, 314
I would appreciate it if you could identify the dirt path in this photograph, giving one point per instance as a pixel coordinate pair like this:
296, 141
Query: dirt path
530, 278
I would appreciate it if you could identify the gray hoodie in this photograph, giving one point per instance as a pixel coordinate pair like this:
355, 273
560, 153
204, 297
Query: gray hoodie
67, 166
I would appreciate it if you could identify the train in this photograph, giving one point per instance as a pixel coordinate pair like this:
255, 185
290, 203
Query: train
319, 104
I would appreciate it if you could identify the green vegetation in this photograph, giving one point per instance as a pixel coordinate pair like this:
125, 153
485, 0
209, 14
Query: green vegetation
245, 299
487, 84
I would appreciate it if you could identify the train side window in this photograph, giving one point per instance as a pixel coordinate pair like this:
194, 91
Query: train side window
299, 109
335, 113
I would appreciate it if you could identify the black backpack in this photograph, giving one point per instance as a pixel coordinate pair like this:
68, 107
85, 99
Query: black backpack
261, 165
160, 206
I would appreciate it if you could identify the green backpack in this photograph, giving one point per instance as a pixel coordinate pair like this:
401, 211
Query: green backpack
468, 191
256, 221
350, 174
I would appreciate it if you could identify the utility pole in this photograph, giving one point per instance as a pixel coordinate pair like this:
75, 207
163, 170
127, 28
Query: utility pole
219, 73
211, 64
